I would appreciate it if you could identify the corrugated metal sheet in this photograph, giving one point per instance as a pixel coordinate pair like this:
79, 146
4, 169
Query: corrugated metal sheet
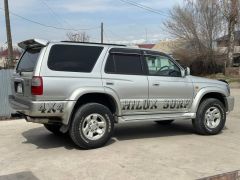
5, 90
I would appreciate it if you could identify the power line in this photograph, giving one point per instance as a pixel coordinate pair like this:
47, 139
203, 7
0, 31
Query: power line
144, 7
50, 26
113, 33
55, 14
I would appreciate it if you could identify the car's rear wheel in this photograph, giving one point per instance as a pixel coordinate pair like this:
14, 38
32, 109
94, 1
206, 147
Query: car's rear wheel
54, 128
210, 118
92, 126
165, 122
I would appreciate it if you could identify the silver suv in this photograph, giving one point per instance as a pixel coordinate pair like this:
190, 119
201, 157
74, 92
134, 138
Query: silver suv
85, 88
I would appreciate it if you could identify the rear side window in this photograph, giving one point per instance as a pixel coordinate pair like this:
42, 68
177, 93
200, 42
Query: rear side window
124, 64
73, 58
28, 61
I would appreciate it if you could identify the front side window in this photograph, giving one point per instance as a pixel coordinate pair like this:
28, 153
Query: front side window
124, 64
73, 58
162, 66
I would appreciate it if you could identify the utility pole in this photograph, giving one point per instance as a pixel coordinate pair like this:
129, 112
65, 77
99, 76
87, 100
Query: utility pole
232, 21
9, 36
102, 33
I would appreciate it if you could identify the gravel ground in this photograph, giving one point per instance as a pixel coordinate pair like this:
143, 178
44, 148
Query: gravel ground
137, 151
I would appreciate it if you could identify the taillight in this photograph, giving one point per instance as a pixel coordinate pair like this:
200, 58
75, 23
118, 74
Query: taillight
37, 85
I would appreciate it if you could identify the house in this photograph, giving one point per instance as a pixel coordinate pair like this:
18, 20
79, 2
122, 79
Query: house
222, 47
4, 56
167, 46
146, 46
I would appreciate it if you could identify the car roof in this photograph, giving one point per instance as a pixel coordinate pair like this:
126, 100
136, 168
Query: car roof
118, 46
41, 43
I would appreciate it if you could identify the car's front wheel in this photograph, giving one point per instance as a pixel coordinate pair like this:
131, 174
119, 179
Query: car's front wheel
92, 126
210, 118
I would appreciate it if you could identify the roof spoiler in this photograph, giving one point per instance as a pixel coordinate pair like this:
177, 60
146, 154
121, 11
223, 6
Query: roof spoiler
33, 43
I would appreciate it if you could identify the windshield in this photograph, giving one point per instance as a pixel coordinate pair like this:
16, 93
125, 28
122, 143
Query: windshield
28, 61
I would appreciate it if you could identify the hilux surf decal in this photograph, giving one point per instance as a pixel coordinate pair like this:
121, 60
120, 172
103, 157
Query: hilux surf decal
155, 104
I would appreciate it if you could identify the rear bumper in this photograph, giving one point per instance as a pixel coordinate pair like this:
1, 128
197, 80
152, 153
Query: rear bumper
19, 104
230, 103
43, 109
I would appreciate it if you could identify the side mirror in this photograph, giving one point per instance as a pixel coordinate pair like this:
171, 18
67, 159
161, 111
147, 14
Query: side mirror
187, 71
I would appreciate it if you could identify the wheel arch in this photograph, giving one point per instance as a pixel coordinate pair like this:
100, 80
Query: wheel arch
97, 97
209, 93
100, 97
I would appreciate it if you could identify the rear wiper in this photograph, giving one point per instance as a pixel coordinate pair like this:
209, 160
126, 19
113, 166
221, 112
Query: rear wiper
23, 70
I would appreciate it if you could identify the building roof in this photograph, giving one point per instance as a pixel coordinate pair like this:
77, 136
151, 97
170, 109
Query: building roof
146, 46
225, 38
4, 53
168, 46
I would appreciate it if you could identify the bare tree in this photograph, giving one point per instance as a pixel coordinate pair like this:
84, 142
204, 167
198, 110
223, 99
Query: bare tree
230, 10
78, 37
198, 23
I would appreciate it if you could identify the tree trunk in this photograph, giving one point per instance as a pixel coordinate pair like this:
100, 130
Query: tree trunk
231, 44
231, 29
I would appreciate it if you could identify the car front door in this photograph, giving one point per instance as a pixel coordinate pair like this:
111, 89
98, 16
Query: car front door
123, 75
170, 91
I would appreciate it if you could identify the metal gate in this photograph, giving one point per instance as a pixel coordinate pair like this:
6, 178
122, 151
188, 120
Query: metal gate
5, 90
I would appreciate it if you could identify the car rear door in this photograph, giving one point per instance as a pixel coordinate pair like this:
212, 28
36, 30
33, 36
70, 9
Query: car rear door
25, 70
123, 75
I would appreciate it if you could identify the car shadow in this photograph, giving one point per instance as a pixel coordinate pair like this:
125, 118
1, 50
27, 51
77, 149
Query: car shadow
46, 140
19, 176
43, 139
152, 130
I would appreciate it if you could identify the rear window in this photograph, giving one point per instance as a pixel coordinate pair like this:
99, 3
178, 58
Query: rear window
73, 58
28, 61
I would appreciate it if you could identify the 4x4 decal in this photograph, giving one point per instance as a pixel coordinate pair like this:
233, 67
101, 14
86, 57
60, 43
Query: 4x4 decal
51, 108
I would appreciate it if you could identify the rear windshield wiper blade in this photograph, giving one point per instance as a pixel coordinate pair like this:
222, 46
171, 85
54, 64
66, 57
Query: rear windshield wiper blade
24, 70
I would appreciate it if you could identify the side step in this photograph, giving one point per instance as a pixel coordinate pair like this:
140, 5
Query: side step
155, 117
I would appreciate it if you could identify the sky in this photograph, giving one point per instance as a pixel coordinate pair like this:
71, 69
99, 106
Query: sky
123, 23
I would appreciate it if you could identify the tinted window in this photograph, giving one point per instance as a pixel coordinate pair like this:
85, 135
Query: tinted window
124, 64
73, 58
28, 60
110, 65
162, 66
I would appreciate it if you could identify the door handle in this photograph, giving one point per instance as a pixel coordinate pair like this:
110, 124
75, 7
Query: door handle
110, 83
156, 84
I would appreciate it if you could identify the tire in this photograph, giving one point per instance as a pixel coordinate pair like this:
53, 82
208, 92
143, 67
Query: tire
165, 122
206, 123
92, 126
53, 128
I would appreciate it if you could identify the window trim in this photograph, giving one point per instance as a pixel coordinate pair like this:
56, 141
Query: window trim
160, 54
125, 53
